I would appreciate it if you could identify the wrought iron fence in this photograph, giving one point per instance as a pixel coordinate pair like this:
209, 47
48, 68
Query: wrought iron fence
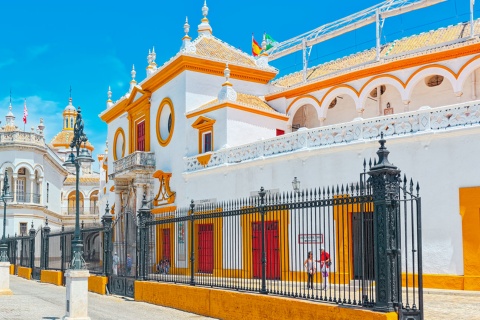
59, 254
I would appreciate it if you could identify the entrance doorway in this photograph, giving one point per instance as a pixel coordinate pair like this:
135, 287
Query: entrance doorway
205, 248
166, 244
271, 250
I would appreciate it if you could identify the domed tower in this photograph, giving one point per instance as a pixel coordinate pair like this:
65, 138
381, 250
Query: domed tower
61, 142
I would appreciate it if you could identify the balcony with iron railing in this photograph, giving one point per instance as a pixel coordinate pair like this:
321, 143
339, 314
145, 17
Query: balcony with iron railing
25, 198
424, 120
137, 162
71, 210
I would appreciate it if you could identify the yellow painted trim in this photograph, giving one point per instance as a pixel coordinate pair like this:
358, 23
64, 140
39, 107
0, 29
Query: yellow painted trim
470, 213
237, 107
164, 195
97, 284
166, 101
138, 112
12, 269
404, 85
24, 272
112, 188
195, 64
164, 209
306, 96
203, 125
224, 304
52, 276
335, 88
283, 219
118, 133
401, 64
203, 159
430, 67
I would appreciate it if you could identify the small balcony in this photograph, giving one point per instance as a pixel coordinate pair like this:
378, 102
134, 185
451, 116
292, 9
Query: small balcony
24, 198
137, 162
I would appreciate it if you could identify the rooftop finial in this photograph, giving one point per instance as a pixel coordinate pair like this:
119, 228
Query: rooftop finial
109, 95
186, 27
227, 92
133, 73
204, 27
10, 96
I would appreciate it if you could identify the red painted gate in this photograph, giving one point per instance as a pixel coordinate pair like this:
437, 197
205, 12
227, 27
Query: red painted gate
271, 250
141, 136
205, 248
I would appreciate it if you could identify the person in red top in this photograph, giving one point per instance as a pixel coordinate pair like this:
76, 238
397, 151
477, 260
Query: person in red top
324, 264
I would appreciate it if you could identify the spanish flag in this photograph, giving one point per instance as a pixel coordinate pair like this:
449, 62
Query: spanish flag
256, 48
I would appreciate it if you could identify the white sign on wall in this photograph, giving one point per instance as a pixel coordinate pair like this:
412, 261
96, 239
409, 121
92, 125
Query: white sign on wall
312, 238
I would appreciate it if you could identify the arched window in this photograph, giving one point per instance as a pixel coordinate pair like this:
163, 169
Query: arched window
94, 203
66, 122
71, 122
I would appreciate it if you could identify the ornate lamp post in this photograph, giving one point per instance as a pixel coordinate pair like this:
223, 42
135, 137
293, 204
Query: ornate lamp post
5, 196
77, 275
82, 157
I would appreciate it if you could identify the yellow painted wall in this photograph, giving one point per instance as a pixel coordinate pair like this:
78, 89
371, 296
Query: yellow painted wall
470, 212
51, 276
12, 269
97, 284
237, 305
24, 272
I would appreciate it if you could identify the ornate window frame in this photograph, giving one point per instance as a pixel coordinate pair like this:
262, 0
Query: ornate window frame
165, 102
118, 133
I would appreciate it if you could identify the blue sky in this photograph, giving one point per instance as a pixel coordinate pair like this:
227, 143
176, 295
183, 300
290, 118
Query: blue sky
48, 46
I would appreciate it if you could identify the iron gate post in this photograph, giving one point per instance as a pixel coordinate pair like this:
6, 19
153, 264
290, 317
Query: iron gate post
143, 216
385, 180
31, 233
45, 246
261, 207
192, 243
107, 221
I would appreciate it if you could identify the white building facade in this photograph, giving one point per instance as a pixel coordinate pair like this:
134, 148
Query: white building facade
213, 124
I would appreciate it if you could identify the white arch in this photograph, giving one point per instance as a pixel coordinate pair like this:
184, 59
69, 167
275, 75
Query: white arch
6, 165
336, 92
39, 168
383, 80
92, 191
302, 101
467, 71
24, 164
430, 71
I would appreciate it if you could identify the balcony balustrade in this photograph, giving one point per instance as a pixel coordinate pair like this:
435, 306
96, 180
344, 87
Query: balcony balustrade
21, 137
22, 197
425, 119
137, 162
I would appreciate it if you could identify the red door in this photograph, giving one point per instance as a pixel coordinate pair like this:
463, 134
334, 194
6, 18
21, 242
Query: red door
166, 244
205, 248
141, 136
271, 250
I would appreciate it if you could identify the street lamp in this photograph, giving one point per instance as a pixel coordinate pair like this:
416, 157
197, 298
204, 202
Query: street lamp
5, 196
82, 158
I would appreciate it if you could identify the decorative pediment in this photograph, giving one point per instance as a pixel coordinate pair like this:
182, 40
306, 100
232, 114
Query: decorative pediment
136, 94
202, 122
164, 195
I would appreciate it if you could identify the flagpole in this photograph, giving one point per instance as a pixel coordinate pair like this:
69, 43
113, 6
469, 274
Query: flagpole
472, 4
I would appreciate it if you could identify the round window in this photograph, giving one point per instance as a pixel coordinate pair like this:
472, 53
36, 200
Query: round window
165, 122
119, 144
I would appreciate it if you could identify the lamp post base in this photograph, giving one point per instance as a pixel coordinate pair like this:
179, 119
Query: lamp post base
77, 294
5, 279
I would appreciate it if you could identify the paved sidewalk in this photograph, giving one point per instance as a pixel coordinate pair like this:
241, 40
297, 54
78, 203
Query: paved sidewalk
32, 300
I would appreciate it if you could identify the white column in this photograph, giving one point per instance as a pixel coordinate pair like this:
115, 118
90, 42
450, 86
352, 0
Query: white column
406, 105
5, 279
13, 189
77, 295
32, 179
